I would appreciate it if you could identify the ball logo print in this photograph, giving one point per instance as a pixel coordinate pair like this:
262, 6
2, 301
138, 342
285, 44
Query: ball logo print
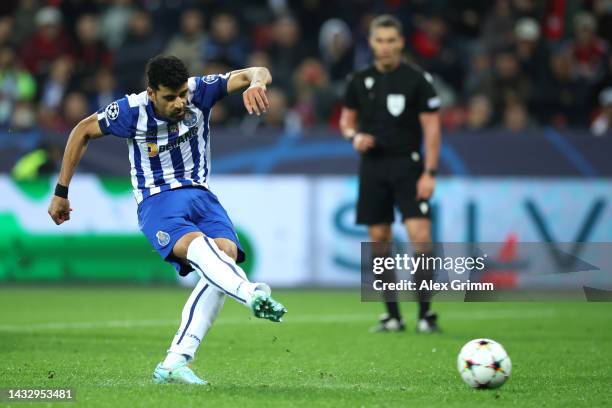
483, 363
112, 111
163, 238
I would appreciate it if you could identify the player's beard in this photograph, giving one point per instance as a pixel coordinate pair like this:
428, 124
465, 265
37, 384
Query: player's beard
178, 115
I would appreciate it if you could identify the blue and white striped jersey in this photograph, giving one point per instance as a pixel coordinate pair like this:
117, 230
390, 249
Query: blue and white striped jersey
166, 155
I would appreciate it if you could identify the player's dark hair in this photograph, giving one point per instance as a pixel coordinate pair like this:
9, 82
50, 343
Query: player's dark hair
386, 20
168, 71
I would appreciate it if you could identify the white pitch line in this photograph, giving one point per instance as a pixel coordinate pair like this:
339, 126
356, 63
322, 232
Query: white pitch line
86, 325
291, 319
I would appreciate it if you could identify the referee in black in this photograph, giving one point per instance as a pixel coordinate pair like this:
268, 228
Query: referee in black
388, 108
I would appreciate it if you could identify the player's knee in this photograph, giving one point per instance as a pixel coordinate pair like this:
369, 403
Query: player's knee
421, 238
380, 237
228, 247
231, 251
380, 234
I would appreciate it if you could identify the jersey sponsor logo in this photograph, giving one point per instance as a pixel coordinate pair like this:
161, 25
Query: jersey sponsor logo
396, 104
368, 82
163, 238
190, 118
112, 111
153, 149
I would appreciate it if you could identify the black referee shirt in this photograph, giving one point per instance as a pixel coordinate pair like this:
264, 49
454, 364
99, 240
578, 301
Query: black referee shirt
388, 105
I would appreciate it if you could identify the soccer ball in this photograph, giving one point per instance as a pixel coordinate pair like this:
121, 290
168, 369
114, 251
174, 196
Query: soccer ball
484, 363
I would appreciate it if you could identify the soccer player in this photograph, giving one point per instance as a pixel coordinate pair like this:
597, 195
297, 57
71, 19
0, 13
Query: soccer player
388, 108
167, 132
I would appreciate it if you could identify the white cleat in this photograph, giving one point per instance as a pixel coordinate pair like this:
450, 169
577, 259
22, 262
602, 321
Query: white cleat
182, 374
388, 324
429, 324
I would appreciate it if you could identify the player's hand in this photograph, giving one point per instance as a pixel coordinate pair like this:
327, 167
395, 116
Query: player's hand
425, 186
255, 99
59, 209
362, 142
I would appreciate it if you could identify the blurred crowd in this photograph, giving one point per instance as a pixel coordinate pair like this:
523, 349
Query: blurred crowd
510, 63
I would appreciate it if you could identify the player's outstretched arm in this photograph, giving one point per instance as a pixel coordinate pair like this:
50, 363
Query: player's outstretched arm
256, 79
85, 130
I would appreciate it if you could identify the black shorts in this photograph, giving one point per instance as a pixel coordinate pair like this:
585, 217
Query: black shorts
385, 183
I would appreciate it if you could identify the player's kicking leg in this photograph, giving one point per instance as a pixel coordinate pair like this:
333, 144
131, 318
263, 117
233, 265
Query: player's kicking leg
221, 272
214, 261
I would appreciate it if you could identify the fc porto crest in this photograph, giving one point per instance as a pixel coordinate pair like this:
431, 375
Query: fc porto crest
210, 79
190, 118
396, 104
163, 238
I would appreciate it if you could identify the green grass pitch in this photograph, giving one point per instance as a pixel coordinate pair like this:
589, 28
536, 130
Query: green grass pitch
105, 342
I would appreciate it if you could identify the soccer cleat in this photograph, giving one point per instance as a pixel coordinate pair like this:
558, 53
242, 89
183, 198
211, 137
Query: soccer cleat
265, 307
387, 323
428, 324
182, 374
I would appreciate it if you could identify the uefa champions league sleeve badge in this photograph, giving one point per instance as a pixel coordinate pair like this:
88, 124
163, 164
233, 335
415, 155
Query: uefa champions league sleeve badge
112, 111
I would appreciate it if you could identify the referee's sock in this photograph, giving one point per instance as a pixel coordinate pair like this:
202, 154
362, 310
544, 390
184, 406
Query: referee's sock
393, 310
390, 297
383, 249
423, 309
422, 273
